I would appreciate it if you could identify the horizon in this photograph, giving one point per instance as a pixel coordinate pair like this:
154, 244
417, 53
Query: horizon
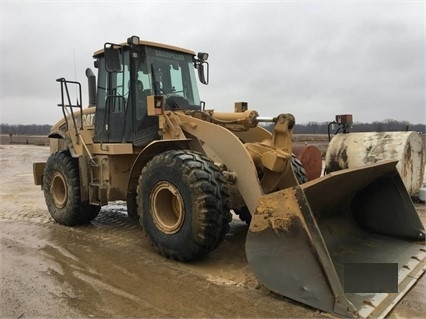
387, 120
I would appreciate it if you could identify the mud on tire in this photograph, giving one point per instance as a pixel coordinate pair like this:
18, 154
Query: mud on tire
183, 204
61, 186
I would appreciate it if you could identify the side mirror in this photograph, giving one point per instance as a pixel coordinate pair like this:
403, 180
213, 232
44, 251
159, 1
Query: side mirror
199, 61
203, 74
112, 58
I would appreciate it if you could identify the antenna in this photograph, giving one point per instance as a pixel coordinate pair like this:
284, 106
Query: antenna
75, 75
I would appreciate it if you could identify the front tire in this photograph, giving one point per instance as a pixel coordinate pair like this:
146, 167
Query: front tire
183, 204
61, 186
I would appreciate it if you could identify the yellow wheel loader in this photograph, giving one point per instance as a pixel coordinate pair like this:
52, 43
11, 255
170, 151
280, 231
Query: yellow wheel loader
146, 138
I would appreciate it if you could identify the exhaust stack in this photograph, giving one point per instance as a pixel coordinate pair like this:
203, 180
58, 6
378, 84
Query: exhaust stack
91, 81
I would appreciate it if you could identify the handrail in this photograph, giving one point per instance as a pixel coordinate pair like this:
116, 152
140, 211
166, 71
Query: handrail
65, 91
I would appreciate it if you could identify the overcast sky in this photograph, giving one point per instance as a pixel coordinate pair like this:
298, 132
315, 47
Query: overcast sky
314, 59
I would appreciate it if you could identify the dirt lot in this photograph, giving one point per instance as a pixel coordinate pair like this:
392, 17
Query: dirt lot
108, 269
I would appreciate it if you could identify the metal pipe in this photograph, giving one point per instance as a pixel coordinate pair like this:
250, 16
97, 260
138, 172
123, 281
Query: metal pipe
266, 119
91, 81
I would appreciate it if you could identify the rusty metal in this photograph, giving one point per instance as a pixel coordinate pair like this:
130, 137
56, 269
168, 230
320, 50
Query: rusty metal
311, 159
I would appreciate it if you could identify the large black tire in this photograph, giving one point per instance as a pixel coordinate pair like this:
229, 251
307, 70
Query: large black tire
61, 185
298, 169
183, 204
244, 214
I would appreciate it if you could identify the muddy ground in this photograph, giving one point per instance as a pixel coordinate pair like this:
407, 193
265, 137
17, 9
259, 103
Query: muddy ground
108, 269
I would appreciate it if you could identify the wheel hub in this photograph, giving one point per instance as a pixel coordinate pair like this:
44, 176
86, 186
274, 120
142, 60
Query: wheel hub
167, 208
59, 190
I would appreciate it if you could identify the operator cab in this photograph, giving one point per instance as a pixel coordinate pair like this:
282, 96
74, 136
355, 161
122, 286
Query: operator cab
128, 73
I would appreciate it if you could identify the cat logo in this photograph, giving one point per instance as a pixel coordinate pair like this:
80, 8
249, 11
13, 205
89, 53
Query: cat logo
89, 119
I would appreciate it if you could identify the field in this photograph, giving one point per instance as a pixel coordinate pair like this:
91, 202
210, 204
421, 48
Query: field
108, 269
24, 139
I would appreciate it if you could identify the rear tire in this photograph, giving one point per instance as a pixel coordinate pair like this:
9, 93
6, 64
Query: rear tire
61, 186
183, 204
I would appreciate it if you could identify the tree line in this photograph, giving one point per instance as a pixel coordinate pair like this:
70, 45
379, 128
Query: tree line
307, 128
383, 126
32, 129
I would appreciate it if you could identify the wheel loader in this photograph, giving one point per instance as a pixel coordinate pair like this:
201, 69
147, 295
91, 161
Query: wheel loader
148, 139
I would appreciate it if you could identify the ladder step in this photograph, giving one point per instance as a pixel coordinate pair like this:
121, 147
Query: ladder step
98, 185
98, 194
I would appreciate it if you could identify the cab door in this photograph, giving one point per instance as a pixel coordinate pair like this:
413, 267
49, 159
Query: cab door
116, 103
112, 105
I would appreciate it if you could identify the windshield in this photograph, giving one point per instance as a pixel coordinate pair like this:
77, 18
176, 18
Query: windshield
170, 74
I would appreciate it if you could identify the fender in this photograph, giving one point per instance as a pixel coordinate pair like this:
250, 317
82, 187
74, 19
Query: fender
62, 135
57, 134
151, 150
63, 142
38, 168
60, 141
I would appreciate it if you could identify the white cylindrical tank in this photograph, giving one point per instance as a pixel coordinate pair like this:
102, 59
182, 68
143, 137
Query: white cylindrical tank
422, 193
353, 150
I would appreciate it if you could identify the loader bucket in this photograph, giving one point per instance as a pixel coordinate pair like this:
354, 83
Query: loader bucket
349, 243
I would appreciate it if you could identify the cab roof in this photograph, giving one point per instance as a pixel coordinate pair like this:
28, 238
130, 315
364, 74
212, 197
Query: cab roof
151, 44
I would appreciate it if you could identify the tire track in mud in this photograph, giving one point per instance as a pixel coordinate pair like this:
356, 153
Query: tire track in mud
22, 216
